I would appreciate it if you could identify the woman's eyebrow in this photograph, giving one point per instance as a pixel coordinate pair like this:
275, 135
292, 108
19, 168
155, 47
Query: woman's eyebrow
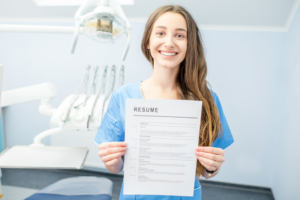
180, 29
177, 29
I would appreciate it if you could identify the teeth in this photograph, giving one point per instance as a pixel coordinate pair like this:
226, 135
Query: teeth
168, 54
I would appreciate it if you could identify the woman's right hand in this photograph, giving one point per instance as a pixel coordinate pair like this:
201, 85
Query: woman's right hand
111, 153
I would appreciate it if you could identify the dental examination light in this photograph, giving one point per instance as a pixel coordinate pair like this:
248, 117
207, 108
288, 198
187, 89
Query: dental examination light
104, 24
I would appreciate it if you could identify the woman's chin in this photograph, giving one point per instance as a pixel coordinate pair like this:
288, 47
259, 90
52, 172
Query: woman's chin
168, 65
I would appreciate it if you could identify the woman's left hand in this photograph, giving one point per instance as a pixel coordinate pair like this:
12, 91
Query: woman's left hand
210, 157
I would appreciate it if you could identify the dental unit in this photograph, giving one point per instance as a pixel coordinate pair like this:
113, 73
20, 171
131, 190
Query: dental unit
81, 111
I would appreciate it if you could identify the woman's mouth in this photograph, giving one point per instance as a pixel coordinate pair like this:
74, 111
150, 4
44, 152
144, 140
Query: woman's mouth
168, 53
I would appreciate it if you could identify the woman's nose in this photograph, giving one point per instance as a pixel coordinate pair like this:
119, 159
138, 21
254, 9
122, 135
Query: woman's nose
169, 42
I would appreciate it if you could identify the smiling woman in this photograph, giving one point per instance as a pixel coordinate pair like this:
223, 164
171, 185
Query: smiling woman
172, 43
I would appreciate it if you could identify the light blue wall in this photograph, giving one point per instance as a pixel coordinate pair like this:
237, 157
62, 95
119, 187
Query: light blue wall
242, 70
286, 180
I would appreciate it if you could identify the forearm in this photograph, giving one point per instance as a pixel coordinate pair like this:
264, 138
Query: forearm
208, 177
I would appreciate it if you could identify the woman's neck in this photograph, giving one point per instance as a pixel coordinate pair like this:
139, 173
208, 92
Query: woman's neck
162, 84
164, 78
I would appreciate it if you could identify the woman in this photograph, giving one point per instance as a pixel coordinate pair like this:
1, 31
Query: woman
172, 43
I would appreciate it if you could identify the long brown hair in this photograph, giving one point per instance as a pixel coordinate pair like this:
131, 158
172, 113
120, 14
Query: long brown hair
191, 79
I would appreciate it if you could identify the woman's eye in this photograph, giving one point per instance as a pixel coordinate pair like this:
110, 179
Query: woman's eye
160, 33
180, 36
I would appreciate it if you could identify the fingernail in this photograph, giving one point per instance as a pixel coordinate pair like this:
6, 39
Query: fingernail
124, 148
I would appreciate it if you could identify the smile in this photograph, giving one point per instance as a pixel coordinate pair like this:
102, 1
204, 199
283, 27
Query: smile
168, 53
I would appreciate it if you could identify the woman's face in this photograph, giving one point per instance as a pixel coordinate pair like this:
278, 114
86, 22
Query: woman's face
168, 40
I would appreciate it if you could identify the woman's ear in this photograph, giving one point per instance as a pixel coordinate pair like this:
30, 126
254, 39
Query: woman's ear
148, 46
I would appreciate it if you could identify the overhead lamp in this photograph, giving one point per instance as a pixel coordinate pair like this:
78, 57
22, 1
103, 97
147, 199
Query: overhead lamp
104, 24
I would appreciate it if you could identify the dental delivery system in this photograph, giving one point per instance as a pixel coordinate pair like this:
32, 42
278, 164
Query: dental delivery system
82, 111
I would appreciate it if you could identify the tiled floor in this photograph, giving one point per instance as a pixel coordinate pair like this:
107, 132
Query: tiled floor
221, 191
38, 179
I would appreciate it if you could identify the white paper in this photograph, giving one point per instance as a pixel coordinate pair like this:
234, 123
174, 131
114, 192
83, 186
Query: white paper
161, 137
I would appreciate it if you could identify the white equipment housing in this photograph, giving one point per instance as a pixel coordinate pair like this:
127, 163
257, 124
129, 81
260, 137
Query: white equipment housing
78, 118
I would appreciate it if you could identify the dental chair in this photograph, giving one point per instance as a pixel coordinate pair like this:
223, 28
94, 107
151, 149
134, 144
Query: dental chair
77, 188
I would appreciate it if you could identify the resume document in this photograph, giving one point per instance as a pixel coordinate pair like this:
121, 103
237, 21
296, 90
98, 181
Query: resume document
161, 137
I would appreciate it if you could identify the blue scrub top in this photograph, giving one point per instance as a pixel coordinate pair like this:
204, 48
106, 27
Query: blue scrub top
112, 128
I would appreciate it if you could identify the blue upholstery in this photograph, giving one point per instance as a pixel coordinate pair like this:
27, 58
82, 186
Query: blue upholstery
82, 187
38, 196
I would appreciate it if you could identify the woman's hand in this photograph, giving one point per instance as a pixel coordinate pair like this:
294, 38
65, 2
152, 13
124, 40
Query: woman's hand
210, 157
111, 153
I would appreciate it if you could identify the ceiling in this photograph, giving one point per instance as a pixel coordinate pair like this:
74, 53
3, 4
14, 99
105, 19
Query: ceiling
210, 13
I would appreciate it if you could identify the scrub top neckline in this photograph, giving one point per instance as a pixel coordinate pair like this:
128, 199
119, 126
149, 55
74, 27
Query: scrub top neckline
141, 92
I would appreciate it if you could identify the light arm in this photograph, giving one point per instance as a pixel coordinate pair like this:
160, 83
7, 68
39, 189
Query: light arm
44, 92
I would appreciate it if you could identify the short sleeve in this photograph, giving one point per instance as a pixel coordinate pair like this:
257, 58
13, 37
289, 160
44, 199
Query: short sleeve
225, 138
110, 129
